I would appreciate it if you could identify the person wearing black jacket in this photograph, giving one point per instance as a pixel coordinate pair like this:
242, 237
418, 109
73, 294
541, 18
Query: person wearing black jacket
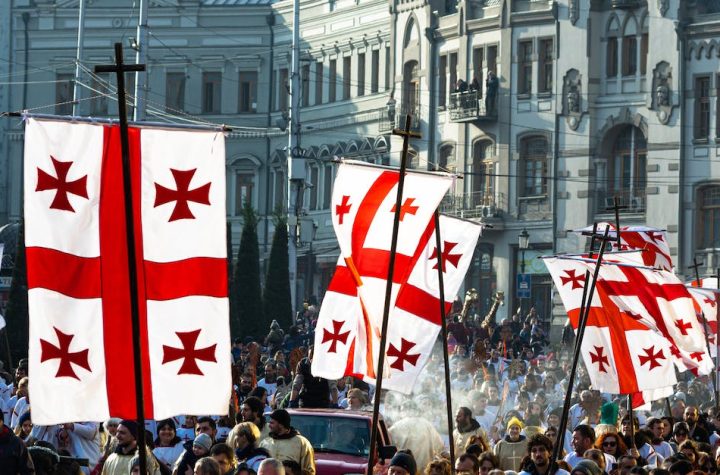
14, 458
697, 431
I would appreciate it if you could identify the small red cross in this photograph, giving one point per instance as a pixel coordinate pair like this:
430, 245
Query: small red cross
343, 208
683, 326
334, 336
697, 355
709, 301
188, 353
599, 358
651, 357
182, 195
46, 182
48, 351
401, 355
656, 237
675, 352
576, 280
453, 259
406, 208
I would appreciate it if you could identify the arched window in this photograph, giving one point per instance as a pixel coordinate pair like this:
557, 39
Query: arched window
627, 168
446, 159
534, 166
482, 174
242, 183
278, 182
611, 52
708, 218
481, 276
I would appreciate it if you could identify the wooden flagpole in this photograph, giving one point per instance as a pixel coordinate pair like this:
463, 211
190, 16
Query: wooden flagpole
696, 265
446, 357
119, 68
584, 313
405, 134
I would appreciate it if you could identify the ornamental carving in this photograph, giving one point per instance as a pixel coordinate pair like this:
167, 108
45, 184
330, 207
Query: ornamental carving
572, 98
662, 100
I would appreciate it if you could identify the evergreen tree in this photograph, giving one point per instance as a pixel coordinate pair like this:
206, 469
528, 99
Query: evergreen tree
16, 315
276, 298
247, 320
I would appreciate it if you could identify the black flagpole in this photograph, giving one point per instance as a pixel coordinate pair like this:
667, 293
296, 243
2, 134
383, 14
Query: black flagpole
406, 134
119, 68
446, 357
578, 345
695, 266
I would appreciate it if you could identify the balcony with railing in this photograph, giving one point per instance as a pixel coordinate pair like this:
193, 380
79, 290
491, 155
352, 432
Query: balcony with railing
390, 118
469, 106
631, 200
475, 205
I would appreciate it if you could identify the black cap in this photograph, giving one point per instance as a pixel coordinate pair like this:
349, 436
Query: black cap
404, 460
281, 416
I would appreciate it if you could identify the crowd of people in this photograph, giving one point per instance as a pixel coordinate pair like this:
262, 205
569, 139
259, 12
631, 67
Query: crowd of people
508, 385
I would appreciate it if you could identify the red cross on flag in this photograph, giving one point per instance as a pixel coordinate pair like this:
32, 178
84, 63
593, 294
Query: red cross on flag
706, 306
363, 205
621, 354
80, 349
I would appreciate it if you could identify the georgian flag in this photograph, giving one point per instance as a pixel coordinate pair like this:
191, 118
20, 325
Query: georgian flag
363, 209
621, 354
80, 349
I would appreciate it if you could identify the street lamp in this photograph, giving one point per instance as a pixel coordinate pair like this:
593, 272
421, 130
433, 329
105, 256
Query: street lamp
523, 244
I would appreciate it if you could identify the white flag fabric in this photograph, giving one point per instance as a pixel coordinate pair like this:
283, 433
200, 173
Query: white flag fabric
80, 349
621, 354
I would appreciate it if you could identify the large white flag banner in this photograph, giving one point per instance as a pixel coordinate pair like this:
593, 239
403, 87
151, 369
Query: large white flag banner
81, 343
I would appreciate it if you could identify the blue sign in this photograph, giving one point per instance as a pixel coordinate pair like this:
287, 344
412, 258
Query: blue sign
524, 286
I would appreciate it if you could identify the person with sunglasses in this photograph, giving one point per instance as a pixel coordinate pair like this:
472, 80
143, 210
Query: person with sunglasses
611, 444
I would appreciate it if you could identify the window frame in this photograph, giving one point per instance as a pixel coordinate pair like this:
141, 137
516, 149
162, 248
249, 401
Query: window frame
611, 57
361, 59
545, 65
526, 158
212, 105
524, 65
701, 102
251, 84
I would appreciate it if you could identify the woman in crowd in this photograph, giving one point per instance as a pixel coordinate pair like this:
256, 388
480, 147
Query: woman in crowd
438, 466
243, 439
611, 444
168, 446
488, 462
690, 451
24, 427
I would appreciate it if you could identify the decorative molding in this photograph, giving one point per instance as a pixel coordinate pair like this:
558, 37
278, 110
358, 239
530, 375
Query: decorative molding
574, 10
663, 6
662, 100
572, 98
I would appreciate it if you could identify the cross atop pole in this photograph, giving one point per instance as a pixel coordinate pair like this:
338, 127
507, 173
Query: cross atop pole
616, 207
120, 68
406, 134
696, 266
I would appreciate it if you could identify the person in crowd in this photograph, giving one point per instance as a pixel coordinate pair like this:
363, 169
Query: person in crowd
467, 463
597, 456
225, 457
697, 432
119, 462
207, 466
583, 439
611, 444
690, 451
466, 427
358, 400
168, 446
402, 463
24, 427
82, 441
438, 466
513, 447
586, 467
680, 433
252, 410
309, 391
14, 456
244, 439
292, 467
659, 446
285, 443
538, 462
271, 466
199, 448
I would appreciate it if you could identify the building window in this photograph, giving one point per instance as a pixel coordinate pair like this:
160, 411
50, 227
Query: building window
708, 218
643, 53
629, 56
64, 93
305, 85
315, 180
278, 188
534, 162
332, 81
347, 78
211, 92
175, 92
318, 83
244, 183
627, 168
483, 175
442, 83
447, 157
702, 108
283, 91
388, 68
717, 108
612, 57
375, 71
361, 75
99, 103
478, 58
247, 91
492, 52
545, 68
327, 185
525, 67
453, 71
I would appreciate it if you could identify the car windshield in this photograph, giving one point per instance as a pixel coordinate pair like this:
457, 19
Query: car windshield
334, 435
